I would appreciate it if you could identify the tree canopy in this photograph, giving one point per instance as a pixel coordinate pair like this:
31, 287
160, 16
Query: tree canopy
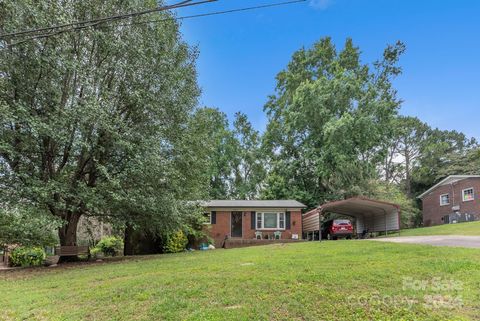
94, 122
327, 121
27, 226
233, 154
418, 155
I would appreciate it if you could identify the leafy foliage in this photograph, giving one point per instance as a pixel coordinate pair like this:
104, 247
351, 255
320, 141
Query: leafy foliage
211, 131
393, 193
27, 226
96, 122
403, 152
110, 246
235, 161
417, 157
176, 242
327, 122
466, 163
249, 166
438, 152
27, 256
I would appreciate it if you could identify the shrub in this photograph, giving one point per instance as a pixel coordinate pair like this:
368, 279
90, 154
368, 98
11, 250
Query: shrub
109, 246
27, 256
176, 242
94, 252
197, 235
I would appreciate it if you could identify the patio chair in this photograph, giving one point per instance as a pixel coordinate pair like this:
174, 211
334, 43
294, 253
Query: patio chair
277, 235
258, 235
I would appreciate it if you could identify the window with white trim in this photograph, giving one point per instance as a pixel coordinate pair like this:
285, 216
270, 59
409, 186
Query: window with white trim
444, 199
270, 221
208, 218
468, 194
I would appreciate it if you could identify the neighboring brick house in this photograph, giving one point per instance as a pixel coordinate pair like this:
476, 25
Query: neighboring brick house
253, 219
454, 199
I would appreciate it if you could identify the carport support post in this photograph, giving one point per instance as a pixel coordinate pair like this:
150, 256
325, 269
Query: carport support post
399, 213
386, 229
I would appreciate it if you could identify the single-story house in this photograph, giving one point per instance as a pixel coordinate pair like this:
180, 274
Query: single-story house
454, 199
370, 216
246, 220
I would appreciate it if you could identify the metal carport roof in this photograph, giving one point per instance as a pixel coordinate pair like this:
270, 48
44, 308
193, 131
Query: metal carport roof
371, 215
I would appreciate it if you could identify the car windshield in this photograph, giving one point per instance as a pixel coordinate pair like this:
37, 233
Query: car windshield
341, 222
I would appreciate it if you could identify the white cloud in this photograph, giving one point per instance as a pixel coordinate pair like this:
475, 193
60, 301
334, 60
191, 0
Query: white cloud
320, 4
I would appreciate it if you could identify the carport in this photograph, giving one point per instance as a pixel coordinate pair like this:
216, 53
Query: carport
370, 215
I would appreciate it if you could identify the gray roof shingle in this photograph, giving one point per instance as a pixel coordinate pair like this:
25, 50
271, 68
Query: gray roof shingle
254, 203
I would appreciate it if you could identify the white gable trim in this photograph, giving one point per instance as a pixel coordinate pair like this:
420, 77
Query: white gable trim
448, 180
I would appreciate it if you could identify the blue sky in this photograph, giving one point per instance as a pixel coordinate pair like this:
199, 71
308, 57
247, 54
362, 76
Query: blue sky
241, 53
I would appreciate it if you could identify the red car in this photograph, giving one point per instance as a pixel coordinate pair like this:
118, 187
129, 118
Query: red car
338, 228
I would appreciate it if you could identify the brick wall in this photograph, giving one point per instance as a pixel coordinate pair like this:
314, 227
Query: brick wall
433, 212
222, 228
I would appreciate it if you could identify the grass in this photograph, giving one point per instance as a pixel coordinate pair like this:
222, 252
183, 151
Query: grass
470, 228
340, 280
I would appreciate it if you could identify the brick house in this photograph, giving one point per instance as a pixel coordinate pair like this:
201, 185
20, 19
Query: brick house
454, 199
238, 220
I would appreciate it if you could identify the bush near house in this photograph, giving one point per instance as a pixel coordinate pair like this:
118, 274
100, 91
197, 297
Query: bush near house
25, 256
176, 242
109, 246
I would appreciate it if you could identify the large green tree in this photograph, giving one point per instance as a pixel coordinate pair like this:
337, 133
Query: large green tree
404, 150
235, 162
436, 155
249, 160
211, 129
464, 163
418, 155
94, 122
327, 122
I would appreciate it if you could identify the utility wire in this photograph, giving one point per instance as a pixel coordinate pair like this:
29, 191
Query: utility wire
185, 3
215, 12
79, 28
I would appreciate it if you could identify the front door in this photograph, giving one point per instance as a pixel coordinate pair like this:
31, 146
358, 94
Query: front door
236, 223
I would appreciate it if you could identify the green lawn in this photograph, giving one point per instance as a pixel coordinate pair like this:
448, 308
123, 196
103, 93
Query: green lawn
470, 228
336, 280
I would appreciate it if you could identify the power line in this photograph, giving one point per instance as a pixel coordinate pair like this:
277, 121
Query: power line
217, 12
185, 3
80, 28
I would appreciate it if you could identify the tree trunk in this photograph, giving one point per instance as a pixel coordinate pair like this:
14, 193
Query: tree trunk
68, 235
128, 246
407, 173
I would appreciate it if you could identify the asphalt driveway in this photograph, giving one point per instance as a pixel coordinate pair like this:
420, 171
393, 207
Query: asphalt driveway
437, 240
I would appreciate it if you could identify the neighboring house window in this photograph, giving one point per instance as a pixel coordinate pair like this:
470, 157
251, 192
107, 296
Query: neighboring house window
468, 194
444, 199
208, 218
271, 221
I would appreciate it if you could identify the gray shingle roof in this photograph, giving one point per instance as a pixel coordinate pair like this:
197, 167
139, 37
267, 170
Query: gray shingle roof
254, 203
